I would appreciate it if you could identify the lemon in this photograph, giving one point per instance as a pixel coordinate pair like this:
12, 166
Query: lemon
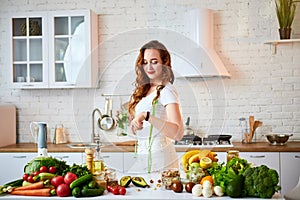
205, 162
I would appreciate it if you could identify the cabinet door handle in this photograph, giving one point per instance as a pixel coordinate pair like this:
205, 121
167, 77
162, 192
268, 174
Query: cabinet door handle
28, 85
106, 157
19, 157
297, 156
62, 157
262, 156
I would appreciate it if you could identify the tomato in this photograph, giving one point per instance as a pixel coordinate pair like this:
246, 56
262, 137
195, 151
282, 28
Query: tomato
122, 190
63, 190
43, 169
115, 190
69, 178
25, 177
30, 179
35, 173
52, 170
109, 188
56, 181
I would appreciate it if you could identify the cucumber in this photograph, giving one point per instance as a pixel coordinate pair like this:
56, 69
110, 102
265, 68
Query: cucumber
44, 176
14, 183
76, 192
92, 184
81, 180
92, 192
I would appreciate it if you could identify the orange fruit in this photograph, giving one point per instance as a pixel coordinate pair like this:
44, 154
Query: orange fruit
207, 178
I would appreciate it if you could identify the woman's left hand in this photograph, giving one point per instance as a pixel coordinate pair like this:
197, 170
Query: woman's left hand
137, 122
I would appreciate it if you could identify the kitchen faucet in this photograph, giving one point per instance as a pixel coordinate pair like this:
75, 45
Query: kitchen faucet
95, 137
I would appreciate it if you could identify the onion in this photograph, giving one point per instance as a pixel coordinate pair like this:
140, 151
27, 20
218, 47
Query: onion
197, 190
207, 192
218, 191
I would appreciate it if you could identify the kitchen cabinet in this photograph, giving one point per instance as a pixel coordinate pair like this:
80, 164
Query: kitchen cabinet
114, 160
54, 49
129, 161
13, 168
12, 165
29, 50
270, 159
70, 158
222, 157
289, 170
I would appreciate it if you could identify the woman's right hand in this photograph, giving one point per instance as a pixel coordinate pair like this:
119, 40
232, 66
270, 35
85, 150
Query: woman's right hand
137, 122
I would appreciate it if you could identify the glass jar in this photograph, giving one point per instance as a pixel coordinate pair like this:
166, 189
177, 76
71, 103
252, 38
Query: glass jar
100, 179
232, 154
168, 176
111, 176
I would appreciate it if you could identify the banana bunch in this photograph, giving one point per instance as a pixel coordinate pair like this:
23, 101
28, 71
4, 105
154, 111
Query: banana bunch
195, 156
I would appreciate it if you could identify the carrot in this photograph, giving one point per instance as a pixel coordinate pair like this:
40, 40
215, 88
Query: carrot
33, 192
37, 185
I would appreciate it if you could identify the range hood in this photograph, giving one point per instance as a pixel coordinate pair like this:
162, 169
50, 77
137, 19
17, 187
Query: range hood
192, 56
201, 60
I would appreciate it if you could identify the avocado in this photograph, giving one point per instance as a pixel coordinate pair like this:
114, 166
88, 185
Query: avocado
139, 181
125, 181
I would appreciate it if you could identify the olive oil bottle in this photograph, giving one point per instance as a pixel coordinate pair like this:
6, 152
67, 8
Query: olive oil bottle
98, 164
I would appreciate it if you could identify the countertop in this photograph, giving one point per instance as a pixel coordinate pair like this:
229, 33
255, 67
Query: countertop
153, 192
133, 192
144, 193
129, 147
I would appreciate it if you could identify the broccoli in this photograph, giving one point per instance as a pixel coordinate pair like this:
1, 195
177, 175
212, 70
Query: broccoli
261, 182
274, 175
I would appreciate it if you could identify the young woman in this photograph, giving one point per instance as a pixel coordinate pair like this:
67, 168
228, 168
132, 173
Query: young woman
155, 110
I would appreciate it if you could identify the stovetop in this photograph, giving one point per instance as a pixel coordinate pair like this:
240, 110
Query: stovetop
203, 146
209, 141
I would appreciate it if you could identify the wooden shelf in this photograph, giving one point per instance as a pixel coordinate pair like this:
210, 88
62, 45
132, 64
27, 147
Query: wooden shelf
274, 43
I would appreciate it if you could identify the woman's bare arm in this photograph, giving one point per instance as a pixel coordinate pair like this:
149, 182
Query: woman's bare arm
172, 127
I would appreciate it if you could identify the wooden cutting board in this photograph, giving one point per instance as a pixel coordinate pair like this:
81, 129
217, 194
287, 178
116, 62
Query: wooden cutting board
126, 143
8, 121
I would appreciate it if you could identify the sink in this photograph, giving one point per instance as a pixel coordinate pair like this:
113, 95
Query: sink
85, 145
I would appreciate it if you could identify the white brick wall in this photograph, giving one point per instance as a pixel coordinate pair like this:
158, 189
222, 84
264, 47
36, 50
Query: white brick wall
262, 84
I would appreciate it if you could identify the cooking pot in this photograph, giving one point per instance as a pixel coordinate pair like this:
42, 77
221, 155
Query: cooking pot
278, 139
107, 122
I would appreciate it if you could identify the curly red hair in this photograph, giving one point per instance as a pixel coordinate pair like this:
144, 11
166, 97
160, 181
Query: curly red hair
142, 82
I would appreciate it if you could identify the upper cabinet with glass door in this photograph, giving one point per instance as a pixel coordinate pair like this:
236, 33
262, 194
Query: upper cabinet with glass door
57, 49
73, 41
29, 47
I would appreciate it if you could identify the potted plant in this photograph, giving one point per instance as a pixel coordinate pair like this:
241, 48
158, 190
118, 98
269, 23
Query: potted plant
285, 10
